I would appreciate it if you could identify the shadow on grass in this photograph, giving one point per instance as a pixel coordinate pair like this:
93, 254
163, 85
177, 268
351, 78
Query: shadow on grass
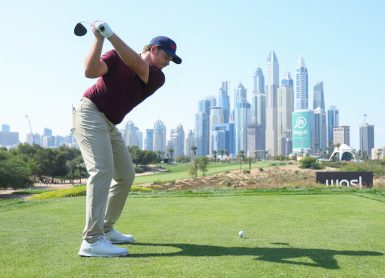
321, 257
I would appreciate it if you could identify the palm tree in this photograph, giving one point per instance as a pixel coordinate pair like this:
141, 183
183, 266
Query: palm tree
222, 152
241, 156
194, 149
171, 152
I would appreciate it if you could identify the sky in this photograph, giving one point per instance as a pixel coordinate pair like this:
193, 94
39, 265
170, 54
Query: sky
342, 42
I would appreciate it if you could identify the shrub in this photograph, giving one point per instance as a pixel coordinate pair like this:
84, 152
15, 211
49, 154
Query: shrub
310, 163
139, 170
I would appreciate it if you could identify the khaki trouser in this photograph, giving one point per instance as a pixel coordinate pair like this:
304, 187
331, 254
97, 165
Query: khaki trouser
109, 165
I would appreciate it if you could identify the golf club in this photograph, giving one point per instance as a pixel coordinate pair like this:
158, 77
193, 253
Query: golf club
80, 30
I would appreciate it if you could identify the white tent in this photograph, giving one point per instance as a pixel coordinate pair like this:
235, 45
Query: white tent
344, 152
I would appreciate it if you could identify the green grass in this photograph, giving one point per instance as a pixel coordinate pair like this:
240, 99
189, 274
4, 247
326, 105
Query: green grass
299, 234
181, 171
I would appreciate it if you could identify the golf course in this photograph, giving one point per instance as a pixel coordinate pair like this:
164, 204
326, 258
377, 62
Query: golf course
290, 231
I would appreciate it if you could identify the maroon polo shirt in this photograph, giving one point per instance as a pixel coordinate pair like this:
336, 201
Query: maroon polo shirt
118, 91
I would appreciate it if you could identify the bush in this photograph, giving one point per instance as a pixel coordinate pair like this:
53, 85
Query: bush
376, 168
310, 163
139, 170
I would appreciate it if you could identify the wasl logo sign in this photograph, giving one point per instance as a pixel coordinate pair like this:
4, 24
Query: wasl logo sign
357, 179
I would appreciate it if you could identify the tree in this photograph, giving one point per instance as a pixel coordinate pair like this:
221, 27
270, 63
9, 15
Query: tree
171, 152
222, 152
194, 169
202, 164
194, 149
241, 157
136, 154
52, 163
215, 155
14, 171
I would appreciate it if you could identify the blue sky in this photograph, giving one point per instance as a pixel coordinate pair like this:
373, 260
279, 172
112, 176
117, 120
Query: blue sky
343, 44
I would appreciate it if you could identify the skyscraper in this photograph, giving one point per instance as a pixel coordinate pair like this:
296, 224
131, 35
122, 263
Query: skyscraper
320, 143
341, 135
366, 140
149, 140
333, 121
320, 128
190, 142
132, 136
159, 137
224, 101
285, 108
202, 126
241, 118
272, 84
216, 118
256, 129
318, 95
258, 108
301, 85
177, 141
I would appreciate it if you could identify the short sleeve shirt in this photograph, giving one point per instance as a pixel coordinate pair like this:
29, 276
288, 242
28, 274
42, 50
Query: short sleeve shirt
118, 91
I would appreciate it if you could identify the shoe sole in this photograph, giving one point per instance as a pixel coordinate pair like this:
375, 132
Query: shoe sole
121, 242
99, 255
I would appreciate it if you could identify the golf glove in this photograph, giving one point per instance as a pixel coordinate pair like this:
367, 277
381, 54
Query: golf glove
103, 29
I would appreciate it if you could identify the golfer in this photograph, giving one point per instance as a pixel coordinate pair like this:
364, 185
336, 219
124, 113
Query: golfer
125, 79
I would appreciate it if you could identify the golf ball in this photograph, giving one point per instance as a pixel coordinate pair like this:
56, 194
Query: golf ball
241, 233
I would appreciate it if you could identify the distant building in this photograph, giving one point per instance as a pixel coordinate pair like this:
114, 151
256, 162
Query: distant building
285, 108
333, 121
341, 135
271, 91
5, 128
366, 140
149, 140
320, 131
301, 86
190, 142
159, 137
9, 139
177, 138
378, 153
132, 136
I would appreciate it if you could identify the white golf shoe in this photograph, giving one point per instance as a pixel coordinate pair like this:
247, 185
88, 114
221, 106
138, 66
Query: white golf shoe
101, 248
117, 237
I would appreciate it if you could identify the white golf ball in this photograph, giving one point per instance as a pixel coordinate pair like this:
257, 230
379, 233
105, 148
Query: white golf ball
241, 233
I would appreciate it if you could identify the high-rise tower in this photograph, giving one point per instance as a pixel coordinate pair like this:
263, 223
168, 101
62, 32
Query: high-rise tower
272, 84
333, 121
241, 118
301, 85
366, 140
285, 108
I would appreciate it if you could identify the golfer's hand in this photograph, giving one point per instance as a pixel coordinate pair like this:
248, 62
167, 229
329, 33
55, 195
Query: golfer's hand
96, 33
103, 28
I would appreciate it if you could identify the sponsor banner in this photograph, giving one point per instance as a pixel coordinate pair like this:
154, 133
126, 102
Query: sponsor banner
301, 131
349, 179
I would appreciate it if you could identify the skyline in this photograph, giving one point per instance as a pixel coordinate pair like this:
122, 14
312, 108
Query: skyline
214, 50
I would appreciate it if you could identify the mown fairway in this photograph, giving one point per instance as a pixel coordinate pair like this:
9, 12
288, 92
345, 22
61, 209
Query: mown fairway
296, 235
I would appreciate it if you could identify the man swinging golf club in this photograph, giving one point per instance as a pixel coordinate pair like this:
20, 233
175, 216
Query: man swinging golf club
125, 79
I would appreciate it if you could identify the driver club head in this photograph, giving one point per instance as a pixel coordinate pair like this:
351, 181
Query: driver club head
80, 30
